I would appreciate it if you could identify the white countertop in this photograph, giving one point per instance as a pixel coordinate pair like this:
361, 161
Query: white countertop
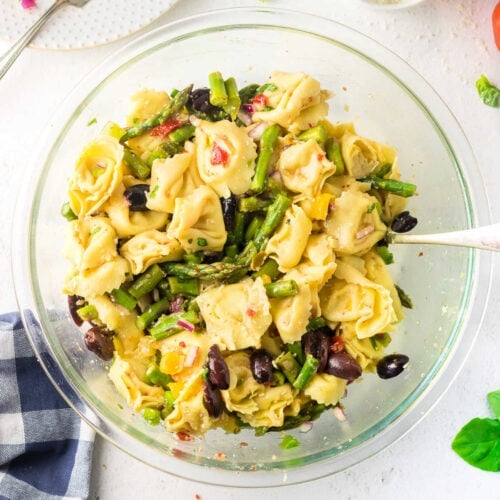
450, 43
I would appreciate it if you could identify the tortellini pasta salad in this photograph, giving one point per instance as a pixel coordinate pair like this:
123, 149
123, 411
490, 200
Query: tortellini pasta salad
227, 250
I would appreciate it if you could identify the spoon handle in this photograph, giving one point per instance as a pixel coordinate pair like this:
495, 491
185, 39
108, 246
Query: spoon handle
7, 59
486, 238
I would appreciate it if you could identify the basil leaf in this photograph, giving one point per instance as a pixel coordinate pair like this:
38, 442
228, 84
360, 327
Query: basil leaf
478, 443
488, 92
494, 402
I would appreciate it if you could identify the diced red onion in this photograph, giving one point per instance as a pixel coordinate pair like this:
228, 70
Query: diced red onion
339, 414
365, 232
186, 325
194, 120
28, 4
306, 426
191, 356
247, 108
245, 118
257, 131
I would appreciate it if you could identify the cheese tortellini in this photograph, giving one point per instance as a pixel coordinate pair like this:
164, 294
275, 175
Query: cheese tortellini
228, 250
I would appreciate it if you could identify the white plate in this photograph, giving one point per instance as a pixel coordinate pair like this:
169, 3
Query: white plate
97, 23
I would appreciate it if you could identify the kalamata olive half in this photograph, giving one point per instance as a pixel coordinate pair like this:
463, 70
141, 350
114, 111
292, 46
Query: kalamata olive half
136, 197
229, 206
218, 372
74, 303
199, 100
261, 364
317, 343
403, 222
392, 365
99, 340
343, 365
212, 399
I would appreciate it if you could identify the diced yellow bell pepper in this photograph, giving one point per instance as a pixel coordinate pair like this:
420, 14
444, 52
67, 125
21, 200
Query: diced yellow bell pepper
318, 208
172, 362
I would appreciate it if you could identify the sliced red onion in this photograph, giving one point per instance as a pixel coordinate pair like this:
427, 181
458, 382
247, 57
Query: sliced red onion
339, 413
186, 325
28, 4
365, 232
247, 108
191, 356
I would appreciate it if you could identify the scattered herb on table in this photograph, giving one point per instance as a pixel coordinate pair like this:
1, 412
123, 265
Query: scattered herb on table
478, 442
488, 92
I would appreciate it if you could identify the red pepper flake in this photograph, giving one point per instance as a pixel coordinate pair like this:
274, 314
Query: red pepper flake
420, 254
183, 436
344, 88
220, 456
243, 443
320, 156
251, 312
197, 496
260, 101
337, 344
219, 156
182, 343
165, 128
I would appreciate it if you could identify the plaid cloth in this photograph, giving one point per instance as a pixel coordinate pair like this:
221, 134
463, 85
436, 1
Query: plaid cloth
45, 448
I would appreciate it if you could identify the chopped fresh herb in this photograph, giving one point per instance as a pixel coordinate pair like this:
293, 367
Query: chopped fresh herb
267, 86
289, 442
154, 191
488, 92
380, 340
92, 122
202, 242
375, 206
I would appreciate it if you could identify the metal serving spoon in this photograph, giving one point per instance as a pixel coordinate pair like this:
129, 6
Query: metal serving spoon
13, 53
486, 238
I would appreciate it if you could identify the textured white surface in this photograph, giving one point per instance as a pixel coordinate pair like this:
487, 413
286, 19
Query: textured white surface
96, 23
450, 43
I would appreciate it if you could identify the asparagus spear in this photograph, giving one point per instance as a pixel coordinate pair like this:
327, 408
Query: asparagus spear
213, 271
152, 313
307, 372
253, 204
274, 215
318, 133
266, 148
334, 154
400, 188
173, 108
147, 281
281, 289
139, 168
218, 94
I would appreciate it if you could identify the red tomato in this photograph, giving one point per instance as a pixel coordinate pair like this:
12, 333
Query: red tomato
165, 128
219, 156
259, 101
495, 20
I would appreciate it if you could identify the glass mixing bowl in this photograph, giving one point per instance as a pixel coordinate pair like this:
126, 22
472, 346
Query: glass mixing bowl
387, 101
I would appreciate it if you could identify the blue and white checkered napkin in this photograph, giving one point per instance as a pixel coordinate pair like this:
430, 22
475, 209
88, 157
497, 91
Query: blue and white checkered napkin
45, 448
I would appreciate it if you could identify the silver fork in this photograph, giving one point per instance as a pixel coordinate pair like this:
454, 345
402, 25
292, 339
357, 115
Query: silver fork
7, 59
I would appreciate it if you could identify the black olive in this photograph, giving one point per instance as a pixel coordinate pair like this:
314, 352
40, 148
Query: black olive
136, 197
343, 365
199, 103
212, 399
403, 222
99, 340
392, 365
218, 372
74, 303
229, 207
317, 344
261, 364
